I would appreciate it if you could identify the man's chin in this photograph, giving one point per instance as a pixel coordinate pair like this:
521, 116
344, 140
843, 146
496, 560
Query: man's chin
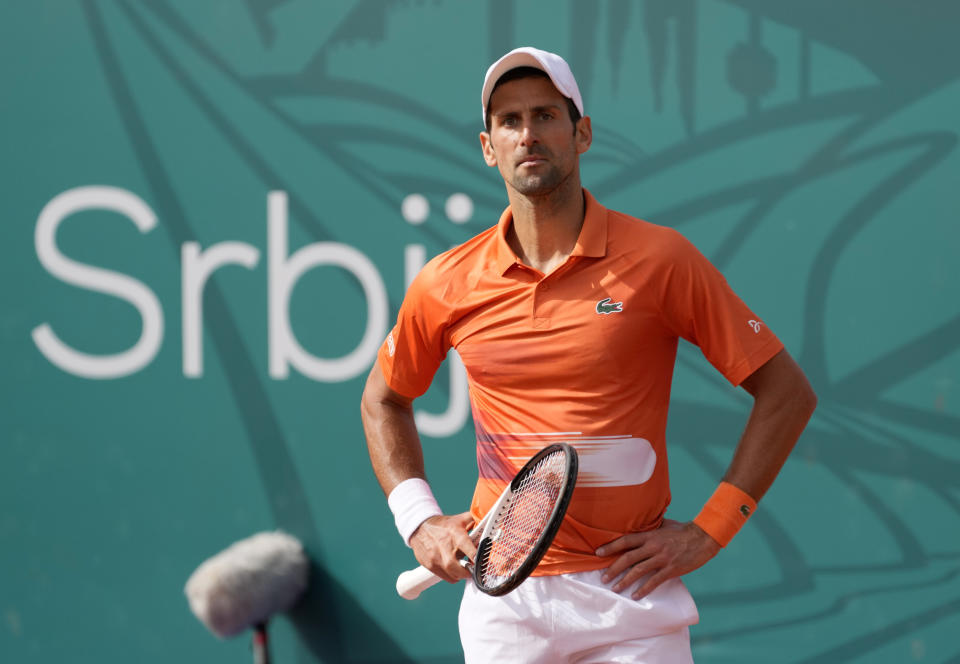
535, 186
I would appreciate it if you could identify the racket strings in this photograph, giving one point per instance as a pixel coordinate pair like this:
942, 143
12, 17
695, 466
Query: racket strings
519, 525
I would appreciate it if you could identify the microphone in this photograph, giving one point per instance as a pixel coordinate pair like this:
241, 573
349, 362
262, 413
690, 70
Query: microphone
247, 583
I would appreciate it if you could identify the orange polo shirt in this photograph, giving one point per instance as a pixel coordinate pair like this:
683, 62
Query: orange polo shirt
583, 355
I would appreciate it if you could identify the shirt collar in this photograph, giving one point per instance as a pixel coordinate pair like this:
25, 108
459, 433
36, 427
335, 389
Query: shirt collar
592, 241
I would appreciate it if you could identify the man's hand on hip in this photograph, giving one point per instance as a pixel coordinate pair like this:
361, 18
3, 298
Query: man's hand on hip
672, 550
440, 542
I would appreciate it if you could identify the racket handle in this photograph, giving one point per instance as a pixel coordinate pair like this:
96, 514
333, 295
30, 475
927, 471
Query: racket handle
414, 581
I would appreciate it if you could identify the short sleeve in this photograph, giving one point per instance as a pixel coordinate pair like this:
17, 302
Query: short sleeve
417, 344
699, 305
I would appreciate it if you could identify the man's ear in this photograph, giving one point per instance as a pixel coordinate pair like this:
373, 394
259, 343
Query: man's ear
583, 134
489, 155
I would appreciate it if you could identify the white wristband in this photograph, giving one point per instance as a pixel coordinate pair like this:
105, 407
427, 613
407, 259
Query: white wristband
412, 503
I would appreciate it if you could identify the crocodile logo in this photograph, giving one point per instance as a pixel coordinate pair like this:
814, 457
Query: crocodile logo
606, 307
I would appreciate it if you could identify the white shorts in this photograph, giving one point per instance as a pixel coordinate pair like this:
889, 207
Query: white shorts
577, 618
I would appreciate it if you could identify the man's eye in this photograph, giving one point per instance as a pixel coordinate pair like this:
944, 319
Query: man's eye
509, 122
546, 116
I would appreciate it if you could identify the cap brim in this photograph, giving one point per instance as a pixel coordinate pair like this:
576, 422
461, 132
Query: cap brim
526, 58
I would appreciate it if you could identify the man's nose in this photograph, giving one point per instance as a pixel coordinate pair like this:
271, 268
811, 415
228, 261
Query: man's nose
528, 136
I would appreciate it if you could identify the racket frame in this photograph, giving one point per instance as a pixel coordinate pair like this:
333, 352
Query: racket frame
545, 538
413, 582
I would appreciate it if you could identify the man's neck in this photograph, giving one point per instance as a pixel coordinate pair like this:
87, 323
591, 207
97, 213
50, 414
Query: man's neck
545, 228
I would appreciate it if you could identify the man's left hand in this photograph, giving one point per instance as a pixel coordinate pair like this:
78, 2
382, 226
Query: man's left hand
671, 550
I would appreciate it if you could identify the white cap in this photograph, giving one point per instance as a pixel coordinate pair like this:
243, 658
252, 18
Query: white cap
526, 56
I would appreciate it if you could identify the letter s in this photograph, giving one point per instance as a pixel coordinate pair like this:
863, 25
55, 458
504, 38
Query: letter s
99, 280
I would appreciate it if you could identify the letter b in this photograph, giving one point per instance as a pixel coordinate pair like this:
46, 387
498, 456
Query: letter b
283, 273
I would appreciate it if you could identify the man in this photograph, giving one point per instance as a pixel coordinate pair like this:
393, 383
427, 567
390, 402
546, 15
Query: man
567, 317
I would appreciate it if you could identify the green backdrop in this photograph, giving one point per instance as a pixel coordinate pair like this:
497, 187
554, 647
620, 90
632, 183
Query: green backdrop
152, 415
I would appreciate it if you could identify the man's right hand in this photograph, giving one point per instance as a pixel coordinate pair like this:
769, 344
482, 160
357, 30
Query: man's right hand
440, 542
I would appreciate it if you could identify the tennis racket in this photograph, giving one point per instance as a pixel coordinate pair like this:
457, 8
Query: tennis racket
513, 536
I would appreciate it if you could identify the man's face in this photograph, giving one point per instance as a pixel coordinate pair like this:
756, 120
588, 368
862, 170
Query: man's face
532, 139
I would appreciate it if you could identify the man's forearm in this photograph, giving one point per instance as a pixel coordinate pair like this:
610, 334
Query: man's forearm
392, 440
783, 404
396, 456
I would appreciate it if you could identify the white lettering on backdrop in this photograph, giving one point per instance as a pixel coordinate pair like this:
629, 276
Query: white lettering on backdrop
197, 265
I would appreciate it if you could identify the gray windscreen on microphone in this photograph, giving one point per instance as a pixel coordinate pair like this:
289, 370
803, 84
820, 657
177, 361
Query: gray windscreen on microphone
248, 582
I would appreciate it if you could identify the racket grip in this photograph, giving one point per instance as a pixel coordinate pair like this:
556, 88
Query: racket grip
413, 582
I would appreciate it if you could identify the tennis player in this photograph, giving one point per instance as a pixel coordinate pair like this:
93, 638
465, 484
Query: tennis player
567, 316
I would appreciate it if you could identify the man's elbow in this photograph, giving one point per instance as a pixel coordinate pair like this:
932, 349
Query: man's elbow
364, 406
804, 397
810, 400
781, 383
377, 398
368, 398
